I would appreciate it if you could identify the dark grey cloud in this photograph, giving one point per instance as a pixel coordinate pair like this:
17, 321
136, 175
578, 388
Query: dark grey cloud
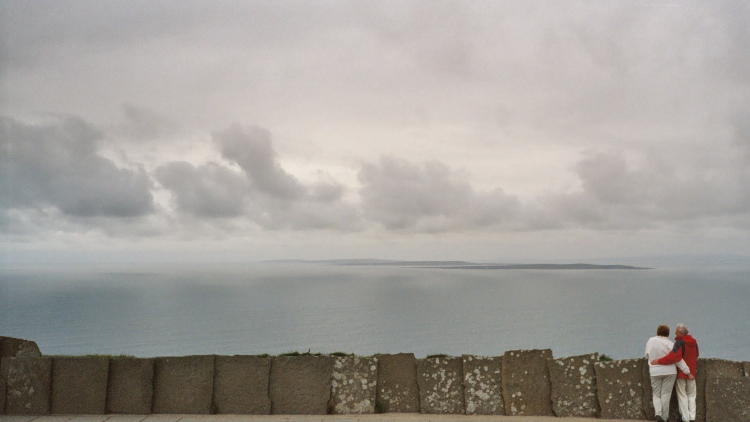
57, 164
252, 150
431, 197
210, 190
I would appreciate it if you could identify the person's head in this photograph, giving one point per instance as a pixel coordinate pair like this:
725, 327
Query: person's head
662, 330
680, 329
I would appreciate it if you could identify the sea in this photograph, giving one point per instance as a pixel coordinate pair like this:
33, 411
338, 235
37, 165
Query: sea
255, 308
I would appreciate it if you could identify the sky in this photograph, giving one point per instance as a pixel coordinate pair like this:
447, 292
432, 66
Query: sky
487, 130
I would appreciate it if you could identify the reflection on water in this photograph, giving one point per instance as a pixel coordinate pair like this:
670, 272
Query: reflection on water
274, 308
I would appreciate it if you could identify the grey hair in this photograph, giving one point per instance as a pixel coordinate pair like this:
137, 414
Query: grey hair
681, 328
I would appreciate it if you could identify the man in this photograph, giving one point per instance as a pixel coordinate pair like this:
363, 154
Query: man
662, 376
685, 348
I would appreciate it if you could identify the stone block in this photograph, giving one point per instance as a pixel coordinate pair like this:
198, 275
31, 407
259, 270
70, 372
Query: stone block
674, 407
354, 384
746, 367
183, 384
619, 388
482, 385
301, 384
728, 399
397, 383
647, 400
241, 385
2, 396
712, 368
18, 347
79, 385
573, 385
131, 385
526, 385
27, 385
440, 381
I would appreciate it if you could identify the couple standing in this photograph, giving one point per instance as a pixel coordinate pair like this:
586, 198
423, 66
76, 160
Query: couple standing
662, 357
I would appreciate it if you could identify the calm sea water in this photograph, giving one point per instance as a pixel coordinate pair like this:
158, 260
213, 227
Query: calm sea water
276, 308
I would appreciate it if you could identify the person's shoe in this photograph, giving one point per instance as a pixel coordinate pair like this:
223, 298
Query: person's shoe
659, 419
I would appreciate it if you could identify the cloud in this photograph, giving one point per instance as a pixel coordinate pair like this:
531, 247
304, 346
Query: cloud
261, 191
638, 189
56, 164
210, 190
141, 123
432, 197
252, 150
619, 189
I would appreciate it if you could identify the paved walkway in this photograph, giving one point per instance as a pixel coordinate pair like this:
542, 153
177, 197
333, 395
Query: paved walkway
386, 417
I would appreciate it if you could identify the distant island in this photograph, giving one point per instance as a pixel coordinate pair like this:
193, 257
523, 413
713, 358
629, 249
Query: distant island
459, 265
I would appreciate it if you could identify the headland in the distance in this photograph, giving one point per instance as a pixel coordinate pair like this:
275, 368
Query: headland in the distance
461, 265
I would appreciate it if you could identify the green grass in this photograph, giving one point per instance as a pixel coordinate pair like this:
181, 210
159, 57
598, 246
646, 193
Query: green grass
439, 355
296, 353
90, 356
605, 358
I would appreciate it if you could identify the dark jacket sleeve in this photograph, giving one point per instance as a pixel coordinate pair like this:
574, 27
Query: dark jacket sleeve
674, 356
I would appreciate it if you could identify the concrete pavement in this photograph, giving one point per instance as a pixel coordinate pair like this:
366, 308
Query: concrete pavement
385, 417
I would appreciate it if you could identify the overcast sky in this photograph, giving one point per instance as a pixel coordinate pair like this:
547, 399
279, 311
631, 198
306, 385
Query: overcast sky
490, 130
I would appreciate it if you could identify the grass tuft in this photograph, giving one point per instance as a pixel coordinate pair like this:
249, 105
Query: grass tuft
439, 355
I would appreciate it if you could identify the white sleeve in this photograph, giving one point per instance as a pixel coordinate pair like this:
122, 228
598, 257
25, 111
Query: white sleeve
683, 367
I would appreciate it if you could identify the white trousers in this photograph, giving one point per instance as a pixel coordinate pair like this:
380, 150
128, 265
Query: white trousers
686, 398
661, 386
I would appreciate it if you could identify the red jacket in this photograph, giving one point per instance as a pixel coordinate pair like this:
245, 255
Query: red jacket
685, 347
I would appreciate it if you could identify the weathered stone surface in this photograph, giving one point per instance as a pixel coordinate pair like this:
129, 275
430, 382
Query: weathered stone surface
674, 408
574, 386
27, 385
354, 384
79, 385
2, 396
301, 384
440, 381
18, 347
482, 385
712, 368
728, 399
620, 389
131, 385
647, 400
746, 367
397, 383
526, 386
241, 385
183, 384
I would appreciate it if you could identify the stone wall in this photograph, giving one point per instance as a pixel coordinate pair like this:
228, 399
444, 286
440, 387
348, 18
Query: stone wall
520, 382
18, 347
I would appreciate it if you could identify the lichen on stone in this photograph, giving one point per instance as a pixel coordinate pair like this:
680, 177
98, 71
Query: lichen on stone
354, 384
